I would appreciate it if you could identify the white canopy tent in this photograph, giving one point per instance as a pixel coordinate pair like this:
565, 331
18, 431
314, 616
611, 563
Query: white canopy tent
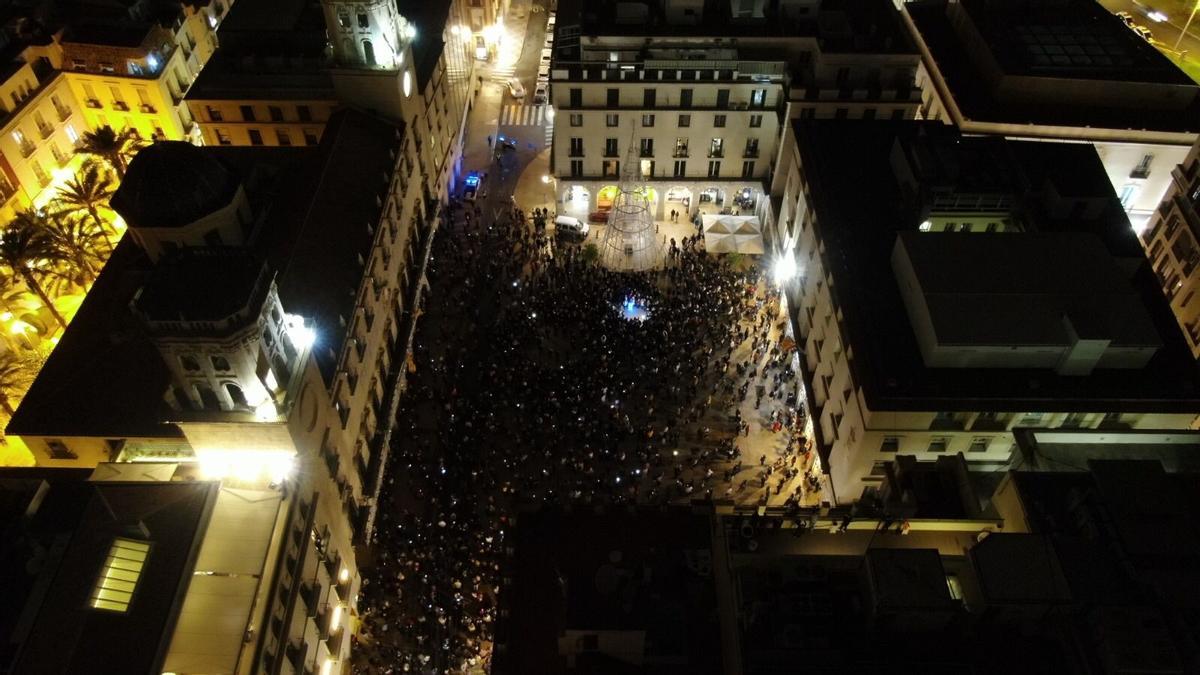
733, 234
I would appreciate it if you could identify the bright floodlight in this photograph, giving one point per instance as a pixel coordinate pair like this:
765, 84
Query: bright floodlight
301, 335
492, 33
785, 269
550, 113
545, 178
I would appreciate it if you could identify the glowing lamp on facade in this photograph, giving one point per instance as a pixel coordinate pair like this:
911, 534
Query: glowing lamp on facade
344, 575
406, 83
298, 331
335, 619
492, 33
327, 666
785, 269
152, 61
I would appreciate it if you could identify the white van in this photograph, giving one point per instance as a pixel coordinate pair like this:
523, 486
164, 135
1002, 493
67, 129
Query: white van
571, 226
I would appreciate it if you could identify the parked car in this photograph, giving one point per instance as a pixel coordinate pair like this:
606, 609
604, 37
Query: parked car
547, 55
541, 93
1144, 33
515, 88
543, 74
566, 225
550, 22
472, 186
1126, 17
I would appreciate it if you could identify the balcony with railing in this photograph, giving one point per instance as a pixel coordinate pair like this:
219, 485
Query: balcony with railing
27, 148
45, 130
750, 152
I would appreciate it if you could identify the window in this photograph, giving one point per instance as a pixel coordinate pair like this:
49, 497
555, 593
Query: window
612, 120
247, 113
343, 18
275, 112
119, 576
1142, 170
716, 147
751, 147
685, 121
748, 169
685, 98
576, 147
649, 97
722, 98
890, 444
59, 450
220, 363
718, 120
576, 168
979, 444
364, 21
222, 137
281, 135
614, 98
611, 168
758, 98
755, 121
255, 137
576, 97
214, 114
1032, 419
939, 444
681, 147
610, 147
189, 363
1126, 194
647, 120
236, 396
71, 133
368, 52
680, 169
576, 120
310, 137
646, 147
304, 113
714, 169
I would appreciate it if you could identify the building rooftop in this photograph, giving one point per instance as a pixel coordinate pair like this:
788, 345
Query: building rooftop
617, 571
202, 284
50, 570
106, 378
233, 77
1015, 289
322, 230
107, 33
1009, 61
171, 184
872, 26
846, 160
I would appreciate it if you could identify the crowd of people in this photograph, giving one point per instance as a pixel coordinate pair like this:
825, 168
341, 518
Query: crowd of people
535, 384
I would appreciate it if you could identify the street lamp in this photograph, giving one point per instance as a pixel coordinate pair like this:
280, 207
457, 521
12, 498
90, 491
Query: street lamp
785, 269
1183, 32
549, 113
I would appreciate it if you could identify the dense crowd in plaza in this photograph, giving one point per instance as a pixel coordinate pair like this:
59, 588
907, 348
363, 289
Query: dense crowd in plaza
543, 378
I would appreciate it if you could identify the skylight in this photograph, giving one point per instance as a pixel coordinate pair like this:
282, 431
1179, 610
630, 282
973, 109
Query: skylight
119, 576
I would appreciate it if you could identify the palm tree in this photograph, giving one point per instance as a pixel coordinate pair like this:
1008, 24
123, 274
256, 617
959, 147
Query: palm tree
116, 148
14, 378
89, 190
78, 242
28, 250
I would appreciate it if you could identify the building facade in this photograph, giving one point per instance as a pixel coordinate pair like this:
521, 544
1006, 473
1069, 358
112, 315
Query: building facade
272, 342
703, 93
407, 67
1171, 237
1083, 77
911, 346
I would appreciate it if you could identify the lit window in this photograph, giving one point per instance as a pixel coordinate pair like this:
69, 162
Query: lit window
119, 576
71, 133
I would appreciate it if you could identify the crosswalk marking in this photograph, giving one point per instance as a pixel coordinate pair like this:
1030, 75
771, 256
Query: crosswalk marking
522, 115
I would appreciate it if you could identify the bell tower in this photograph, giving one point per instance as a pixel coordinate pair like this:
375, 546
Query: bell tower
372, 47
368, 34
